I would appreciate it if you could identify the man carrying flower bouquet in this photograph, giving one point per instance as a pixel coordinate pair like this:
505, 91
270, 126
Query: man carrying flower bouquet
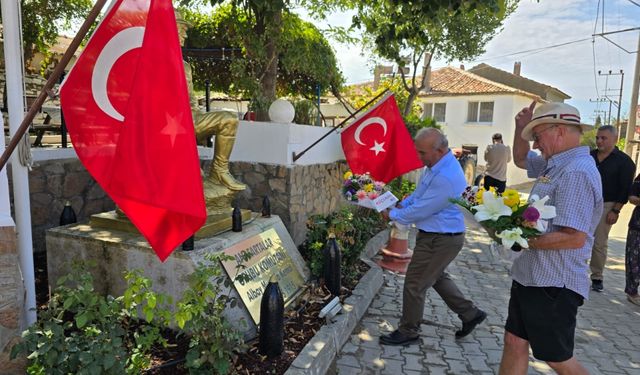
440, 239
551, 277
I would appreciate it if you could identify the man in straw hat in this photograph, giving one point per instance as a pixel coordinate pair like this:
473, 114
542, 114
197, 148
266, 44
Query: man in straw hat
550, 278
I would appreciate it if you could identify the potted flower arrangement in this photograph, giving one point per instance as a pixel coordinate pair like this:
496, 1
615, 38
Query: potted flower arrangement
509, 220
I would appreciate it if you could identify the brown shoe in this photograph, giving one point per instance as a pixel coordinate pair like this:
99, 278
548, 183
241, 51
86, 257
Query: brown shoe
634, 299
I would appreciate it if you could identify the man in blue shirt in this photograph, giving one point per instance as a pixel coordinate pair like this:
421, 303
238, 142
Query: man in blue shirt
440, 239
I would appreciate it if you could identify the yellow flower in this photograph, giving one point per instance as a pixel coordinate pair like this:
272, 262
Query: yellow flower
347, 175
368, 188
511, 197
479, 195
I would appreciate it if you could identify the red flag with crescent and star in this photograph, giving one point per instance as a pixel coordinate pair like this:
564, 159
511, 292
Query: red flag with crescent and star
379, 143
126, 106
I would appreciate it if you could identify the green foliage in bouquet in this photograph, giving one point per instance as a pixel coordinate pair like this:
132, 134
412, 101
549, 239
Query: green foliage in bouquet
353, 227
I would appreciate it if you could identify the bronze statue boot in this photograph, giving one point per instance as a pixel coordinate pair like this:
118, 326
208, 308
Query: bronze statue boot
220, 165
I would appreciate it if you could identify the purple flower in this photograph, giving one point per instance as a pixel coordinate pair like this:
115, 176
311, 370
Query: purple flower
531, 214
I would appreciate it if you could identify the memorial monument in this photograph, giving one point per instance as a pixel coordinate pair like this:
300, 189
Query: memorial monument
264, 248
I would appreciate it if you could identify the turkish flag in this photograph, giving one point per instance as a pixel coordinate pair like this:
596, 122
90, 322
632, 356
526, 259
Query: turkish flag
379, 143
126, 106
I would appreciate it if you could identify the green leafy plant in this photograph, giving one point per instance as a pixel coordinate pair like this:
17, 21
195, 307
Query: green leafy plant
306, 112
200, 316
401, 187
353, 226
83, 332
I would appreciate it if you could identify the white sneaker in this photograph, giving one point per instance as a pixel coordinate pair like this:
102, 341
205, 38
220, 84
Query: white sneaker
634, 299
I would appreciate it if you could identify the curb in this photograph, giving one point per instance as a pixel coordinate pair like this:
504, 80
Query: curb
317, 357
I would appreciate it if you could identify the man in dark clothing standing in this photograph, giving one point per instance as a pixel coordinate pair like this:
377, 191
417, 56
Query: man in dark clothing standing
617, 171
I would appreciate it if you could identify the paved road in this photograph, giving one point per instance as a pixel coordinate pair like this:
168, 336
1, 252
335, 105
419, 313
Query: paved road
607, 336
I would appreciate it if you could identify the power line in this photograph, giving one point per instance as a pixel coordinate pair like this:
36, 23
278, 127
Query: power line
540, 49
634, 3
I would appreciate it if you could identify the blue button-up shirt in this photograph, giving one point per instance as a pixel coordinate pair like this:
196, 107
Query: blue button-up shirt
572, 182
429, 207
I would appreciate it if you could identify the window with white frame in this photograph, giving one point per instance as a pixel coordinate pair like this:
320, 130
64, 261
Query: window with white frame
436, 111
480, 112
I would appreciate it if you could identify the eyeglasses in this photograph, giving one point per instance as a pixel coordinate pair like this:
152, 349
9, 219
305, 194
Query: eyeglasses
536, 136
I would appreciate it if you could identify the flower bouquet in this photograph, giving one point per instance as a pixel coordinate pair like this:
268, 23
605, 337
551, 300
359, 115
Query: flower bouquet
507, 219
366, 192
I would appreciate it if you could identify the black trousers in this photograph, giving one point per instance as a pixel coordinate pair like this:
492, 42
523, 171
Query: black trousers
497, 184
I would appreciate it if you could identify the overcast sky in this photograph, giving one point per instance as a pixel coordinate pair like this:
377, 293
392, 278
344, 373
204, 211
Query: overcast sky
534, 25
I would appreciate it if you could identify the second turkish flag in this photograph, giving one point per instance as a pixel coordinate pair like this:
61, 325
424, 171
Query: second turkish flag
379, 143
127, 109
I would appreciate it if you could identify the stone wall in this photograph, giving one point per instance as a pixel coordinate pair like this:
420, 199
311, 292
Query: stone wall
295, 192
11, 302
51, 184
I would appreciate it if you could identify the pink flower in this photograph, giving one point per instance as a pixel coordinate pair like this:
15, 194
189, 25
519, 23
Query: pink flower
361, 194
373, 195
531, 214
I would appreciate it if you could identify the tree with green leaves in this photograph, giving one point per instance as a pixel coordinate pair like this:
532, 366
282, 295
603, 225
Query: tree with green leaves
259, 30
306, 59
410, 31
43, 20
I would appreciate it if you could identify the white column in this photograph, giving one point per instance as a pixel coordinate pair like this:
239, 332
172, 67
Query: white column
20, 174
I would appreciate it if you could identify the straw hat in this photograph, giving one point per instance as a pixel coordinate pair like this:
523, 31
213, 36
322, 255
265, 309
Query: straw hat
553, 113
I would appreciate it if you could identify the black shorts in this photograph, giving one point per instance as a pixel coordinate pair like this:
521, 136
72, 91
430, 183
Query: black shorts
546, 317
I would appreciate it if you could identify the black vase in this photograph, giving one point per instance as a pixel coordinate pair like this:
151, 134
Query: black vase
266, 207
271, 340
236, 220
332, 266
68, 216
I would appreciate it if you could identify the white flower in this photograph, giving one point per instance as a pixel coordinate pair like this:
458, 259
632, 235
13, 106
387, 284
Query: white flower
546, 212
492, 208
511, 236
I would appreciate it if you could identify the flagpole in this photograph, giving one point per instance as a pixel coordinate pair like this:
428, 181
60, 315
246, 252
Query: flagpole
55, 75
298, 156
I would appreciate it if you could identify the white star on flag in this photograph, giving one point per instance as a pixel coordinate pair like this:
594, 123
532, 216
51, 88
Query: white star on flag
172, 129
377, 147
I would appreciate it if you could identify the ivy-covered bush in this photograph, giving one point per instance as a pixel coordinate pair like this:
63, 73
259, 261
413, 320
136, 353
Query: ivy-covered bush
353, 226
83, 332
401, 188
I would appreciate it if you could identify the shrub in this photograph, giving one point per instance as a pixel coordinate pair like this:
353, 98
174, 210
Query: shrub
401, 187
82, 332
353, 226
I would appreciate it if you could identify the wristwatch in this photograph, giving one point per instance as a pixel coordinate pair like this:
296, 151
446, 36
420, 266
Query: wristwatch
615, 211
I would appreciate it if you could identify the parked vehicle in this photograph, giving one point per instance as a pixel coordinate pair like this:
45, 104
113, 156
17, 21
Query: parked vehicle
467, 156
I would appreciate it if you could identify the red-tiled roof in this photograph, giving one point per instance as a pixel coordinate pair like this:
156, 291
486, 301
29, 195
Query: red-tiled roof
450, 81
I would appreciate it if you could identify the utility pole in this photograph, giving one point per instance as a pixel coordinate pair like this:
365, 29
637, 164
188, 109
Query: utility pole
614, 102
633, 110
604, 113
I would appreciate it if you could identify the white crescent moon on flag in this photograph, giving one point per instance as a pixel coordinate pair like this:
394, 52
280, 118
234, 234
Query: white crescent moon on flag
373, 120
121, 43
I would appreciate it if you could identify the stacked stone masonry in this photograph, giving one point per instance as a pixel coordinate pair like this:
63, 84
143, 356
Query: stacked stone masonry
11, 300
296, 193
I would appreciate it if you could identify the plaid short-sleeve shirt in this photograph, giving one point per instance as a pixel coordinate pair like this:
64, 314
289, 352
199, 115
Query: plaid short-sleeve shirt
572, 182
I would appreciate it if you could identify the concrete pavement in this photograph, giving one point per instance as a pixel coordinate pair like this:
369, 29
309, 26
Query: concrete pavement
607, 335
